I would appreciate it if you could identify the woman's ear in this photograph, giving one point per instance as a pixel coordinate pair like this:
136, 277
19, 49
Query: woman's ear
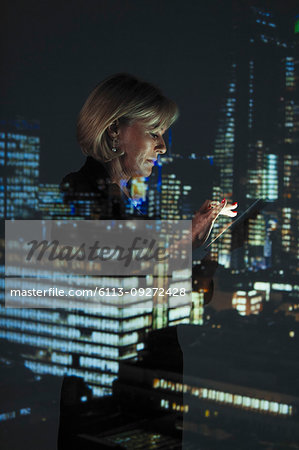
113, 129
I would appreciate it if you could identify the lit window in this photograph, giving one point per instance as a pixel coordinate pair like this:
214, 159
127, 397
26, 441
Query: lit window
163, 384
228, 398
255, 403
204, 393
25, 411
237, 399
274, 407
246, 402
220, 396
7, 416
212, 394
156, 383
283, 409
164, 403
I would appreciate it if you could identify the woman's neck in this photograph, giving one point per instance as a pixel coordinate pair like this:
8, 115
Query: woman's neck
122, 184
117, 175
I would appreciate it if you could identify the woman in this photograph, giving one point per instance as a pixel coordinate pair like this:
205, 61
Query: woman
120, 128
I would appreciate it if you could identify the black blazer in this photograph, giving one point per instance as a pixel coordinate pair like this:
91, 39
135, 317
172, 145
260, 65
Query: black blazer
91, 194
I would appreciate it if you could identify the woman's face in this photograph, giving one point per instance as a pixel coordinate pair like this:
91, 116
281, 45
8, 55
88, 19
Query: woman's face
141, 146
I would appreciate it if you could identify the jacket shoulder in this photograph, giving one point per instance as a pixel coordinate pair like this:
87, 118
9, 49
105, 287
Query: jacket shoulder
75, 182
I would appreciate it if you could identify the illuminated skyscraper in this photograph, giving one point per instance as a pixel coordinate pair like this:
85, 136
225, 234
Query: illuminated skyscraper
19, 165
290, 161
247, 302
224, 148
254, 146
51, 202
90, 342
186, 182
85, 343
224, 152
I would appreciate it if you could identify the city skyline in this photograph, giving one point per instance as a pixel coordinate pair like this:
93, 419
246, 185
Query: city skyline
251, 272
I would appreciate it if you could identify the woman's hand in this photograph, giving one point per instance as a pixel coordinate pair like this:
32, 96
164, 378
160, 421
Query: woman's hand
205, 217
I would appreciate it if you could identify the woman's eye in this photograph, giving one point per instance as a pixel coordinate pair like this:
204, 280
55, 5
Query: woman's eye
154, 135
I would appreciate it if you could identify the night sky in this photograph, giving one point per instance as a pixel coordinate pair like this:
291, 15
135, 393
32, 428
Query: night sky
54, 52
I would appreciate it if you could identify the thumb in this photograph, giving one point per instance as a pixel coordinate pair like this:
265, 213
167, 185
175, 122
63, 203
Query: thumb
219, 208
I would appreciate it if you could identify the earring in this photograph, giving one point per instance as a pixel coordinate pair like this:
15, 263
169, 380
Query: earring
114, 149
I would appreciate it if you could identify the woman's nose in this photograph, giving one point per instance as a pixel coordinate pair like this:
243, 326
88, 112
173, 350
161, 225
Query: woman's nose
161, 147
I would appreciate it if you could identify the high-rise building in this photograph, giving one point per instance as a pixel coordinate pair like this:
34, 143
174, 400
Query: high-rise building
89, 342
255, 143
19, 165
186, 182
247, 302
290, 156
51, 202
224, 148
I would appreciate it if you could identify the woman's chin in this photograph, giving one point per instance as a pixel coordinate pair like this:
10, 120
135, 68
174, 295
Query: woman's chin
147, 173
144, 172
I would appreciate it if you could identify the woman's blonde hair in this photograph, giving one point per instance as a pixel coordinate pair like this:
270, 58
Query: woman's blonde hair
125, 98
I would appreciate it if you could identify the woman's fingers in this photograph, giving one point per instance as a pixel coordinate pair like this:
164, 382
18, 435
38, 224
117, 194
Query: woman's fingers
223, 208
232, 206
203, 222
219, 209
206, 216
229, 213
228, 210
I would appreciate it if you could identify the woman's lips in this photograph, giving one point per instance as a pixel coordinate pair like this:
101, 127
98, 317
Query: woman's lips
152, 161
